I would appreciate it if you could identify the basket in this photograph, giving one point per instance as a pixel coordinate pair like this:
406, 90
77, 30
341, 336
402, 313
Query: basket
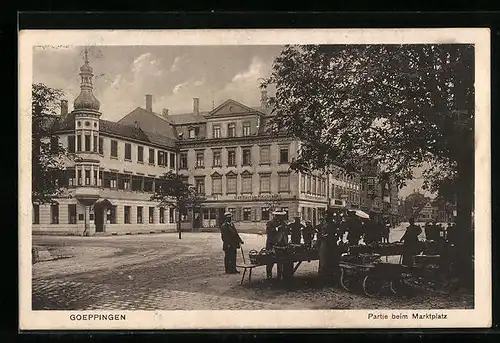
253, 256
369, 258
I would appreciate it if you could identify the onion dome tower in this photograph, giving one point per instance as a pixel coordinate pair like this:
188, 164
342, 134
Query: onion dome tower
86, 114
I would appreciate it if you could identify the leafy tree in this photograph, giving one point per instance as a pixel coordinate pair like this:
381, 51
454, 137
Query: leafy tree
174, 192
48, 155
404, 106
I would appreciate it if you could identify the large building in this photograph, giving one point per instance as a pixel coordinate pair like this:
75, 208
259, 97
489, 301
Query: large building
225, 153
108, 183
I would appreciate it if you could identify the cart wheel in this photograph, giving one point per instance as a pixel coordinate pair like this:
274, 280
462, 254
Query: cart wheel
398, 287
372, 286
395, 286
345, 281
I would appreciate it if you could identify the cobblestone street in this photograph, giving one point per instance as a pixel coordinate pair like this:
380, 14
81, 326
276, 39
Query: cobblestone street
159, 271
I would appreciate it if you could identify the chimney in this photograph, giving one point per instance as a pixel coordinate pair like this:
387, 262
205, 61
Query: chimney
164, 112
196, 106
263, 99
64, 107
149, 103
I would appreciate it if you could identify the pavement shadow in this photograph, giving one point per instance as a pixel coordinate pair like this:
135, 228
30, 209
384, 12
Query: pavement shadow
297, 283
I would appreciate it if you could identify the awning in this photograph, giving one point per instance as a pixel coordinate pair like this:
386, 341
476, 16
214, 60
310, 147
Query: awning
104, 203
212, 206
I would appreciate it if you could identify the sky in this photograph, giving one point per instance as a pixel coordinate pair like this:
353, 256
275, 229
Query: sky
172, 74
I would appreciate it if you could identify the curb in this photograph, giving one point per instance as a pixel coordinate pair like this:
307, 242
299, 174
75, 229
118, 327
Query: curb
131, 233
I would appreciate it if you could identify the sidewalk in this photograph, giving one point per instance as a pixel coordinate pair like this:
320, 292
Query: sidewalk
44, 254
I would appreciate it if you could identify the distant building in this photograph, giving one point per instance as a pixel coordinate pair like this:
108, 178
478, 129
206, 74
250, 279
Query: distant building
424, 209
345, 189
379, 193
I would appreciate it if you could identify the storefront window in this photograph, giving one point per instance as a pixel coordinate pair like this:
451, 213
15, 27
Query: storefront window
264, 213
247, 214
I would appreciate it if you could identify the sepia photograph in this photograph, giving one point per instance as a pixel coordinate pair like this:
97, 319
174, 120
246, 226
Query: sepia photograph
340, 178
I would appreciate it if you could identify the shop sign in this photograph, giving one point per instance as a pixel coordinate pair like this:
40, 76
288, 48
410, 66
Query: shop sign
257, 197
312, 197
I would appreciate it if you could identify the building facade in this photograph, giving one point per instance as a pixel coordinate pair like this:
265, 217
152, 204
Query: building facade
115, 169
379, 195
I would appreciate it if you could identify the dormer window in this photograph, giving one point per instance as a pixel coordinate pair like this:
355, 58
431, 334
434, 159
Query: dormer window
194, 132
216, 131
231, 130
247, 129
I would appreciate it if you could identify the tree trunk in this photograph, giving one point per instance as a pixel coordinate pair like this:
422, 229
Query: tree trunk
465, 241
179, 223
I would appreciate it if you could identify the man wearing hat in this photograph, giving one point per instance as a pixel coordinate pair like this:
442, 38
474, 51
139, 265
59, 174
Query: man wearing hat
271, 239
231, 241
329, 253
296, 229
308, 233
277, 235
355, 228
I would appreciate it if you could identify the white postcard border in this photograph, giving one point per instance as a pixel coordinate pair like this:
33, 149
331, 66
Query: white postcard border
480, 316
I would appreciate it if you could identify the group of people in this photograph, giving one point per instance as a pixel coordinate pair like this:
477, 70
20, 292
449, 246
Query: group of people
433, 232
330, 236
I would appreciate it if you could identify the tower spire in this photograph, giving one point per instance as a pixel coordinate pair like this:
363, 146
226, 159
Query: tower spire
86, 99
86, 56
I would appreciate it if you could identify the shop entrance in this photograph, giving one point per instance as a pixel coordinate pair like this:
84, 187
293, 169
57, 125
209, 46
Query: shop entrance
210, 217
99, 219
197, 224
100, 210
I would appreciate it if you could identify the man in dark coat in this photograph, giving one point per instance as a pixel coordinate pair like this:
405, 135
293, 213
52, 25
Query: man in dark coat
285, 268
411, 242
428, 231
329, 256
373, 231
271, 240
295, 230
386, 230
343, 227
355, 229
308, 234
231, 241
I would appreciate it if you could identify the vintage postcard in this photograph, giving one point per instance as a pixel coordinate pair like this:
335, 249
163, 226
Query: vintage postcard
257, 179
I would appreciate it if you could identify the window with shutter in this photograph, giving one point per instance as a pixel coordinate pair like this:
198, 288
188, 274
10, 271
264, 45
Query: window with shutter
246, 183
231, 184
284, 183
216, 184
265, 155
265, 183
71, 143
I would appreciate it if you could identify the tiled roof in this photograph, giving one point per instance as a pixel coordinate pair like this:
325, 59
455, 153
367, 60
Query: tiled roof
120, 130
159, 139
150, 122
135, 133
68, 123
